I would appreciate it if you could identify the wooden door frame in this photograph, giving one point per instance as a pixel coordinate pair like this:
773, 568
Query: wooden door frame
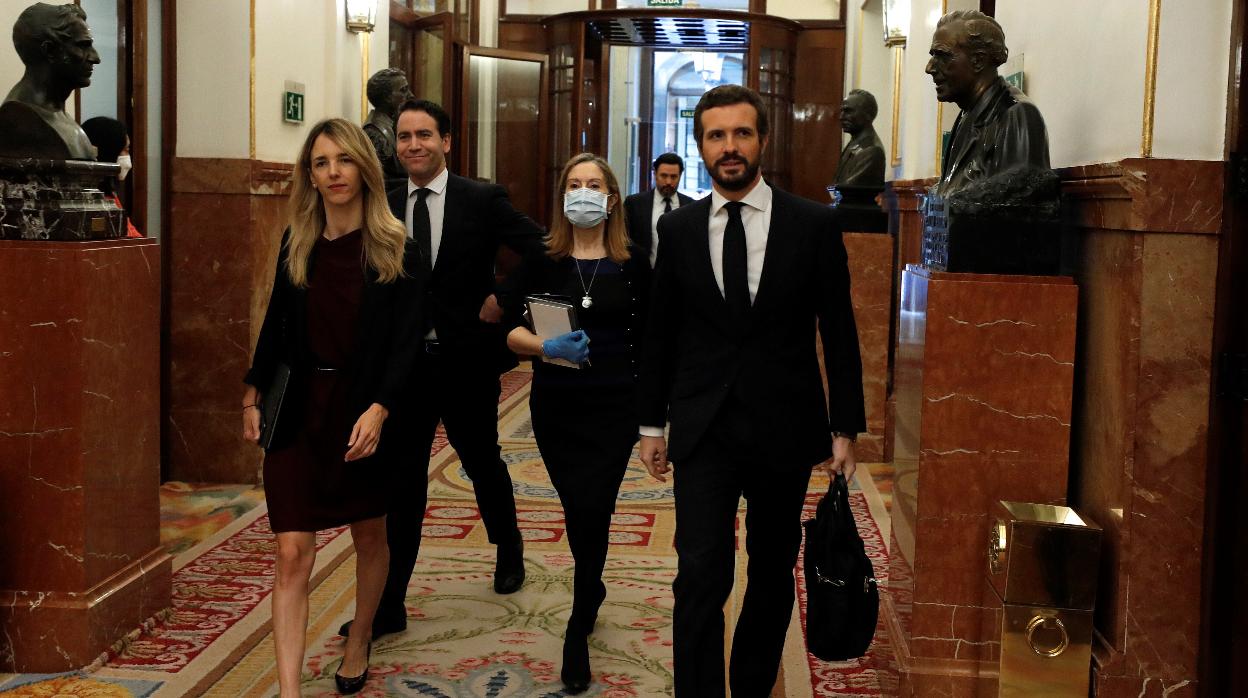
460, 155
1224, 574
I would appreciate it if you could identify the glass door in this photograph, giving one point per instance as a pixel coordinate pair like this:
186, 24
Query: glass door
502, 124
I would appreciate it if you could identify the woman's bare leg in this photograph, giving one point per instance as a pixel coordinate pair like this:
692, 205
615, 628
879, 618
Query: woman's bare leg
296, 554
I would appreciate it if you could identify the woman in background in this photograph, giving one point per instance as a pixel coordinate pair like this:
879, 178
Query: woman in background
585, 420
344, 317
112, 144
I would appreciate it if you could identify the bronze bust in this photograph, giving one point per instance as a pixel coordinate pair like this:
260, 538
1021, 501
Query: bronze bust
862, 160
999, 128
56, 47
387, 89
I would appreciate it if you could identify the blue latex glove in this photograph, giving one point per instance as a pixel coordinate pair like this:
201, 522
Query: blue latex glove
573, 346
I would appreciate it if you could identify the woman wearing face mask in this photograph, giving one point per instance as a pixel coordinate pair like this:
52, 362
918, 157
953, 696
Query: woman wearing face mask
584, 419
112, 144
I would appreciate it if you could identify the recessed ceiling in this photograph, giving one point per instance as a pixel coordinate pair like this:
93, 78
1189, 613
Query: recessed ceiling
676, 32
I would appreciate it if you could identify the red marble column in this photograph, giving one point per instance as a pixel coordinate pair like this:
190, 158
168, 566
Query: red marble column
983, 388
79, 449
871, 287
226, 225
1148, 234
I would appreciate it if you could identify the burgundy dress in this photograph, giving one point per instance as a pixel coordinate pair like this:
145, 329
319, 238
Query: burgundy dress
308, 485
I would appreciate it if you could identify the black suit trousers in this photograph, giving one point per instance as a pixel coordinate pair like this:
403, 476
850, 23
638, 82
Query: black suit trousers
462, 394
727, 464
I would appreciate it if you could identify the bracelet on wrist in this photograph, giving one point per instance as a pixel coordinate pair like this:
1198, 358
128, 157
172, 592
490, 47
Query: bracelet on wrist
247, 407
845, 435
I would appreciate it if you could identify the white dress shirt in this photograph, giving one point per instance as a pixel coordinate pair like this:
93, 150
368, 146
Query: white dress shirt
756, 217
655, 212
436, 201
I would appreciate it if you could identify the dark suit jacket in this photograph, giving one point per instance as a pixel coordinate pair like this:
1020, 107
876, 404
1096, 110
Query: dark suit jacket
694, 355
542, 274
1003, 129
387, 344
477, 218
639, 208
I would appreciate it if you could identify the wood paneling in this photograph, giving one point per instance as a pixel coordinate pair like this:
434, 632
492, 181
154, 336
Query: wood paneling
819, 80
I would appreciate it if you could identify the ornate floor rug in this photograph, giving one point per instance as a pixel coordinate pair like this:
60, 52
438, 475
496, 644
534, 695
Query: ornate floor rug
462, 638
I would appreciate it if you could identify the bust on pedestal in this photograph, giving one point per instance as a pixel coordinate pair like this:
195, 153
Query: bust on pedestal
80, 336
983, 375
860, 173
49, 181
995, 208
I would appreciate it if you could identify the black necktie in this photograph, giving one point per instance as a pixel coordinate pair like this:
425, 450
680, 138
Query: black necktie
736, 284
667, 204
421, 230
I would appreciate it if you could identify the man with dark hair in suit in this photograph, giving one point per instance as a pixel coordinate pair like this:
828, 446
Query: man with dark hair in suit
459, 224
743, 278
644, 209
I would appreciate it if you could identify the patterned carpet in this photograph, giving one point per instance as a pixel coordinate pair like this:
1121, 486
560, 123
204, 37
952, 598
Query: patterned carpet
462, 639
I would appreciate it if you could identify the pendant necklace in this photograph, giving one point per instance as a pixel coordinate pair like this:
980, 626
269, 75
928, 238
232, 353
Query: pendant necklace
586, 301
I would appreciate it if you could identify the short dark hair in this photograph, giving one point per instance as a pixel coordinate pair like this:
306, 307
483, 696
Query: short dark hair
43, 22
983, 34
432, 109
727, 95
668, 159
868, 102
379, 86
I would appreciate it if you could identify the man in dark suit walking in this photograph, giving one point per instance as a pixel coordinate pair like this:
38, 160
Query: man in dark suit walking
459, 225
644, 209
730, 362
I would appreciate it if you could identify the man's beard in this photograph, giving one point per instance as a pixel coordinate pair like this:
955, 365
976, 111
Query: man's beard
665, 191
745, 179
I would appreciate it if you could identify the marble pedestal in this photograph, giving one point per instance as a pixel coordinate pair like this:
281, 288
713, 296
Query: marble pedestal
79, 449
871, 288
983, 383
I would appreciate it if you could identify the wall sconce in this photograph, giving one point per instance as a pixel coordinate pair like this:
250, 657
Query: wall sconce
896, 22
896, 25
361, 15
361, 19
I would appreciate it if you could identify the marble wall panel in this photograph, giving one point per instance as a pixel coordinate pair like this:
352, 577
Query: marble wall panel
79, 356
227, 219
871, 287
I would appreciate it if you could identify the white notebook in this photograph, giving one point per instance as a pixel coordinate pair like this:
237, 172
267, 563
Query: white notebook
551, 317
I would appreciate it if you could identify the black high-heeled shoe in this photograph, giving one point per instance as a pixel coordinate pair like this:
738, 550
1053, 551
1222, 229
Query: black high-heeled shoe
353, 684
575, 672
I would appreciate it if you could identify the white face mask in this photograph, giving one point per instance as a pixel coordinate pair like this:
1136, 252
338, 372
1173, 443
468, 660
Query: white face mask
585, 208
124, 162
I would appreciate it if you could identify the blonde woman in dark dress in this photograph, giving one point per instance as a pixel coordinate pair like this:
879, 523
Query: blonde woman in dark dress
344, 317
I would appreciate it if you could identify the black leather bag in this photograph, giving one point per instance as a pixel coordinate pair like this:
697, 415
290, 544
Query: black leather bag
842, 601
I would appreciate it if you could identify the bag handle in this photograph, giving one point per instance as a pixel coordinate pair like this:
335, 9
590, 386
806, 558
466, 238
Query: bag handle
838, 493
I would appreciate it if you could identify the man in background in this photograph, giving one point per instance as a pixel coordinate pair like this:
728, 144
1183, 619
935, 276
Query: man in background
644, 209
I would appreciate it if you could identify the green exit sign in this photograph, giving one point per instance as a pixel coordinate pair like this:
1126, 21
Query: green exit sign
292, 103
686, 113
664, 3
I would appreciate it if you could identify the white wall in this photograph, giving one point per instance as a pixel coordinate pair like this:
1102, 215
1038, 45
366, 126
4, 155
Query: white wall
1085, 67
545, 7
304, 41
806, 9
213, 79
1193, 60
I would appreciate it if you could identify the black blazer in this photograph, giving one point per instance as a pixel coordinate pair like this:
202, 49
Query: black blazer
694, 355
387, 338
477, 218
639, 208
542, 274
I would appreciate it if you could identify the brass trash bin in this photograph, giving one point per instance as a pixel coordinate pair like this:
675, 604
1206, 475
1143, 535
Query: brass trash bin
1042, 566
